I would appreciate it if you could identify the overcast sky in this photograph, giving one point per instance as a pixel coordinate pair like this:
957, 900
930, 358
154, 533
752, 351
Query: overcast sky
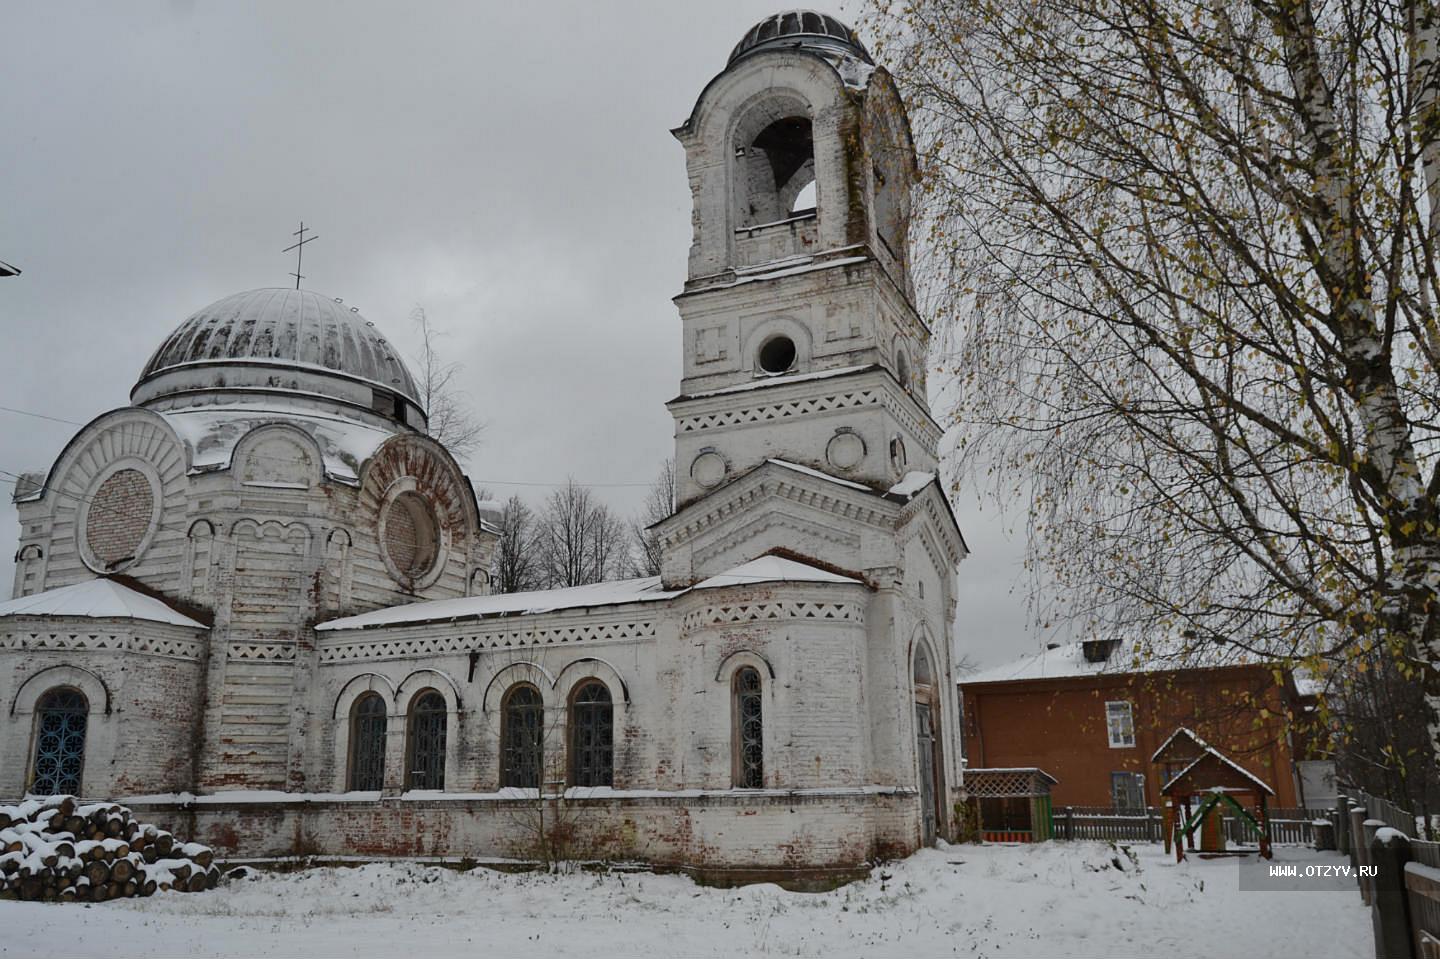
507, 165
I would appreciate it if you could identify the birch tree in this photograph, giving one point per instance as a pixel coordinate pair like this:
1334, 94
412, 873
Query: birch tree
1183, 255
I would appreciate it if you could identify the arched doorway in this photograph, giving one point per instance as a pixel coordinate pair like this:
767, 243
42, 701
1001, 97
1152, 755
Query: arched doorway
929, 760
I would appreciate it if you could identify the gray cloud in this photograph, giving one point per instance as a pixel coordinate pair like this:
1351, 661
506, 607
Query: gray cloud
507, 166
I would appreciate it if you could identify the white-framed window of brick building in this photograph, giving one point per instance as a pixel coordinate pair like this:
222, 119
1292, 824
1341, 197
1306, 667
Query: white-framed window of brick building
1127, 792
1120, 724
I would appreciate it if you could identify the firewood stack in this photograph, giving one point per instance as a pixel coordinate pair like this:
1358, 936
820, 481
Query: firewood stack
53, 849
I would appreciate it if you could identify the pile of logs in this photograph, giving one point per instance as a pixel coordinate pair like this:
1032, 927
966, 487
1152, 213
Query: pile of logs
53, 849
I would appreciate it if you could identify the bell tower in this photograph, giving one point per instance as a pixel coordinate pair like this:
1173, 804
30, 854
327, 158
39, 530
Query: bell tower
802, 342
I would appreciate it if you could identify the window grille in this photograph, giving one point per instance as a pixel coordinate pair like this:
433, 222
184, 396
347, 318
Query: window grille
522, 738
367, 743
427, 743
592, 737
1120, 724
62, 716
750, 730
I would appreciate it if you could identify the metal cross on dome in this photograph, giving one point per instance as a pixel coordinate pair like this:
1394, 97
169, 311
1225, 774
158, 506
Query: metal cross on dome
299, 249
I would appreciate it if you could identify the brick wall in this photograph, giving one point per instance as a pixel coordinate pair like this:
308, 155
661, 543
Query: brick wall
144, 707
118, 516
783, 835
1059, 726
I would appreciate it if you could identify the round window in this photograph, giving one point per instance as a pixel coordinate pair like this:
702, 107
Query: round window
412, 537
708, 469
118, 519
777, 354
845, 450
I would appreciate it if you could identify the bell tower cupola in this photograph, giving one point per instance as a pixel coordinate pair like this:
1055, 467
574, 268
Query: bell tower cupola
802, 342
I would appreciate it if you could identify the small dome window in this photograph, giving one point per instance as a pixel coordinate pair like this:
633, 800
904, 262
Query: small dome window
777, 354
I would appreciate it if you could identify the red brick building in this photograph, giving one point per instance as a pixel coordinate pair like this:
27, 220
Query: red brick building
1092, 714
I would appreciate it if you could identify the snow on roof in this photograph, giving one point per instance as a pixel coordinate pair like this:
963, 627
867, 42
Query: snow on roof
766, 569
97, 599
646, 589
1211, 751
819, 475
1181, 731
772, 569
910, 484
977, 770
788, 268
1068, 660
765, 380
212, 432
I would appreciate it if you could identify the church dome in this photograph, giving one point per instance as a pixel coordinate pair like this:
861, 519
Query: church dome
280, 340
800, 28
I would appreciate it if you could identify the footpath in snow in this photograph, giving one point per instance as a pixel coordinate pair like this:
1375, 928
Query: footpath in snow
1054, 899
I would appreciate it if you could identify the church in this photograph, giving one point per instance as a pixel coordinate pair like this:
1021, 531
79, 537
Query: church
255, 604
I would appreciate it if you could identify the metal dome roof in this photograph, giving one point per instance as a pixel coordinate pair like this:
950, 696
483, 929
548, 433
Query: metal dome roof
806, 28
283, 327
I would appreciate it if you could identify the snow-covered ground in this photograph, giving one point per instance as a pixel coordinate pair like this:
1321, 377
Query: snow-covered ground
1054, 899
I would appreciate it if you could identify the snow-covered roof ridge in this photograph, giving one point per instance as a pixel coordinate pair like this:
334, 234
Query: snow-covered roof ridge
98, 599
1067, 660
820, 474
773, 569
765, 569
614, 593
1212, 752
1179, 731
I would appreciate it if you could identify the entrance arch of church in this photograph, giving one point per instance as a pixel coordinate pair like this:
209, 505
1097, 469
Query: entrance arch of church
929, 761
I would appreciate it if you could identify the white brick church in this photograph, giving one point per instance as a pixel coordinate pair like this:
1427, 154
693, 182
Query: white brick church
256, 601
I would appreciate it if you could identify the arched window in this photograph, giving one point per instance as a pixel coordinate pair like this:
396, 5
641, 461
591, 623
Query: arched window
522, 737
592, 736
902, 369
749, 730
774, 170
367, 743
60, 720
425, 768
28, 569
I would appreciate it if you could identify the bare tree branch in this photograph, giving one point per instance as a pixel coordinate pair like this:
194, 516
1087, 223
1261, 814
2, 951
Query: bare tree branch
659, 504
578, 540
452, 421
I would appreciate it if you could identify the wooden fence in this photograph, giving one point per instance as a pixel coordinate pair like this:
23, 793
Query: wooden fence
1287, 826
1398, 876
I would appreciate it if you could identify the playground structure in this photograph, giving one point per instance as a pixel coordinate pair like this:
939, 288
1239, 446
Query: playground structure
1216, 780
